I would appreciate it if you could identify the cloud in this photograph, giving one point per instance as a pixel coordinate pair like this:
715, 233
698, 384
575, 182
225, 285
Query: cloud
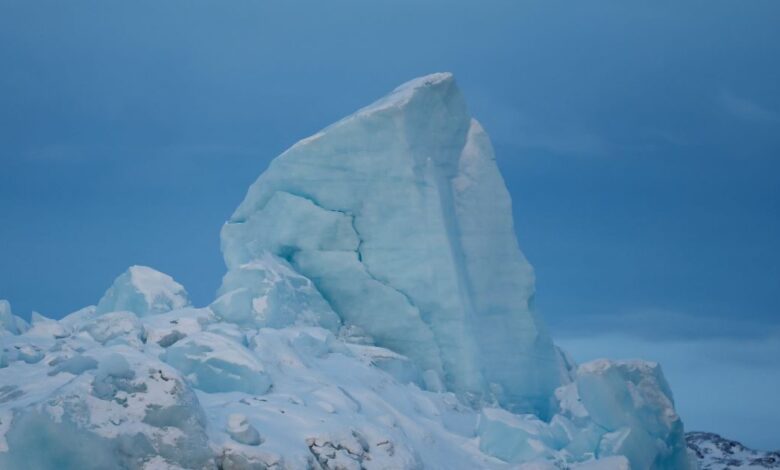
92, 152
521, 128
572, 142
656, 324
745, 109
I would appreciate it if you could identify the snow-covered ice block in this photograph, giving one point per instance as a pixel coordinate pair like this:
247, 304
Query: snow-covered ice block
9, 322
167, 328
75, 365
143, 291
626, 407
513, 438
268, 292
116, 408
115, 328
636, 444
242, 431
230, 331
606, 463
213, 363
73, 320
42, 326
29, 353
400, 367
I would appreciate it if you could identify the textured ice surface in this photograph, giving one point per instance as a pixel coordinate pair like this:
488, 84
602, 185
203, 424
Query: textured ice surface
611, 408
115, 328
214, 363
627, 407
376, 314
143, 291
268, 292
399, 216
10, 323
296, 397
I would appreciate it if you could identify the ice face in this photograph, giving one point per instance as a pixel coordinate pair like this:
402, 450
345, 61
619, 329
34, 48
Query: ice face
143, 291
400, 217
610, 408
628, 409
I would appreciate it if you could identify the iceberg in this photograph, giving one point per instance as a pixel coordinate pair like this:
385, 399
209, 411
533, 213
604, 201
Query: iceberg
376, 313
400, 217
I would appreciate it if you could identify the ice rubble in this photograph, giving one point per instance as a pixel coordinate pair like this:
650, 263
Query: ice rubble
376, 314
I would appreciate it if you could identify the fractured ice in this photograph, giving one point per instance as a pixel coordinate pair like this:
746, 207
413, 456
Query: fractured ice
376, 313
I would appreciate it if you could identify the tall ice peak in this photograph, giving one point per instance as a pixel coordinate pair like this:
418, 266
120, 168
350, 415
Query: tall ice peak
400, 217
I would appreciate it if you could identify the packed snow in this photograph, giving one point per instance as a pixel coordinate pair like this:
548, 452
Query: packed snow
376, 314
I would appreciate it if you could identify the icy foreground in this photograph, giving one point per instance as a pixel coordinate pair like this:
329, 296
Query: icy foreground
376, 313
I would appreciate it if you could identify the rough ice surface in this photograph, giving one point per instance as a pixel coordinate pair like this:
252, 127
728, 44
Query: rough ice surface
400, 217
376, 314
627, 407
143, 291
214, 363
241, 431
268, 292
10, 323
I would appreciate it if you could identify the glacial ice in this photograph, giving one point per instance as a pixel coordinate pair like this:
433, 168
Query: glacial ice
400, 217
630, 406
214, 363
241, 431
376, 314
143, 291
267, 292
115, 328
9, 322
42, 326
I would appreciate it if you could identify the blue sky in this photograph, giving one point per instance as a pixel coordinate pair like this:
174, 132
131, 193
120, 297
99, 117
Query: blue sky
640, 142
